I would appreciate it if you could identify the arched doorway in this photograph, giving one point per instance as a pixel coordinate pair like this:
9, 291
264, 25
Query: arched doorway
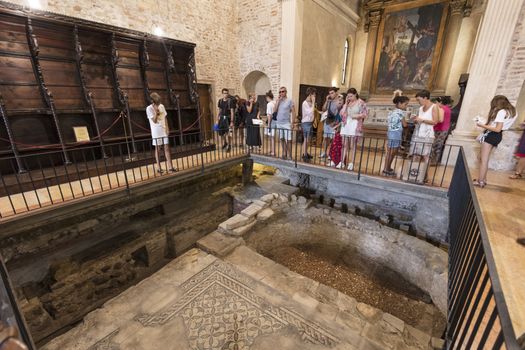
258, 82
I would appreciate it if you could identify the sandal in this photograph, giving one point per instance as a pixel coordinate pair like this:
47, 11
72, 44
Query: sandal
516, 176
479, 183
414, 172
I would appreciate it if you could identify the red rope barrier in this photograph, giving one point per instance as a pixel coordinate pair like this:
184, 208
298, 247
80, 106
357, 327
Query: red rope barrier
57, 145
121, 115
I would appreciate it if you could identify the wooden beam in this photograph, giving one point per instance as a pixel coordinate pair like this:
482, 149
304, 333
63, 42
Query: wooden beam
174, 98
192, 85
144, 63
3, 113
47, 96
122, 96
88, 95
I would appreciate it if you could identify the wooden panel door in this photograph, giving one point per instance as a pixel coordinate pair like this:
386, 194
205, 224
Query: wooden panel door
206, 109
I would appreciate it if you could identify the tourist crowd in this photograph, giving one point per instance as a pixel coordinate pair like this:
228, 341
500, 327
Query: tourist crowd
340, 125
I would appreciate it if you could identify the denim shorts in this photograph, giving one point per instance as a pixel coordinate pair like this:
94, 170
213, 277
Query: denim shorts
307, 129
328, 131
394, 138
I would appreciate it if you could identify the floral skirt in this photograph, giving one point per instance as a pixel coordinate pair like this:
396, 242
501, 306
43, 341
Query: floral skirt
335, 149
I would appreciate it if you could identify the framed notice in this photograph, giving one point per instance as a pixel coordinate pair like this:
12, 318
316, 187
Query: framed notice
81, 133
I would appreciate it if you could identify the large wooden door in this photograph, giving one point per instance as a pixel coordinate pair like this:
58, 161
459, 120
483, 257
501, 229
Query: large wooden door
205, 108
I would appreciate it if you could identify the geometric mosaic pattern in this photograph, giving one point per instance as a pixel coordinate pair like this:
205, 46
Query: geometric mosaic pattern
221, 311
106, 343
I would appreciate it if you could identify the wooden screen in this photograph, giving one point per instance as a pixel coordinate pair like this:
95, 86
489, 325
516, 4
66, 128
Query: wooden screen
57, 73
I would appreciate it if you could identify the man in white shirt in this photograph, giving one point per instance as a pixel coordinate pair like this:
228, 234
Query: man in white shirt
307, 119
158, 123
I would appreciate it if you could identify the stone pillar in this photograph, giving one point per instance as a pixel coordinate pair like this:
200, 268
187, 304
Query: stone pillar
291, 43
374, 18
487, 66
451, 39
247, 171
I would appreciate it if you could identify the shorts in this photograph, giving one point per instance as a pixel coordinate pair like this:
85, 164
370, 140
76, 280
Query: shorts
493, 138
284, 130
328, 131
394, 138
421, 146
307, 129
270, 131
160, 141
224, 125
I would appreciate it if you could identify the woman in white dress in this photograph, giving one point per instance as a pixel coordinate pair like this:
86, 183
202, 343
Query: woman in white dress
158, 123
354, 112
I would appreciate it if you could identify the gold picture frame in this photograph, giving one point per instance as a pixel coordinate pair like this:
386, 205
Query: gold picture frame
401, 61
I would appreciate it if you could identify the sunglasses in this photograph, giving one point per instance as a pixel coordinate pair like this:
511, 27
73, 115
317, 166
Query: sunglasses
282, 91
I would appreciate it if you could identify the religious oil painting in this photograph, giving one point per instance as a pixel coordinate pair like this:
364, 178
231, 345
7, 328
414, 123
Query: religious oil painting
409, 45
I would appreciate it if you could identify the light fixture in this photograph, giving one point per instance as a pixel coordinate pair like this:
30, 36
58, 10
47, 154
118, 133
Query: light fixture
35, 4
158, 31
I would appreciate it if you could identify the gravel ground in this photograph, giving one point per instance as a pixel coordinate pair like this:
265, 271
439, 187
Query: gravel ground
379, 288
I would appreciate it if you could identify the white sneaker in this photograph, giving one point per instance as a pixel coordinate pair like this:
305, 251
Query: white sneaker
332, 164
351, 166
340, 165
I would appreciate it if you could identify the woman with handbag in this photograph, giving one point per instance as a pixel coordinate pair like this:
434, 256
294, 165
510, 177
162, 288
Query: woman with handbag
353, 113
501, 117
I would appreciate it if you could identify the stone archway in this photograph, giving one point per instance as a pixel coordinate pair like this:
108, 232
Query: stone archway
256, 81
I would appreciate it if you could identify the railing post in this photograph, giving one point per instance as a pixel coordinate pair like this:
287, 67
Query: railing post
361, 158
202, 161
123, 161
294, 145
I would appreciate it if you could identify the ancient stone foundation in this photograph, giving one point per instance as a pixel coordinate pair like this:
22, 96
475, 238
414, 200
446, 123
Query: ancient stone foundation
70, 261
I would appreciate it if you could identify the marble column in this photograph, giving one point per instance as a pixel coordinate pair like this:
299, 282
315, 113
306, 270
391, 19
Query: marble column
291, 43
373, 27
486, 68
449, 48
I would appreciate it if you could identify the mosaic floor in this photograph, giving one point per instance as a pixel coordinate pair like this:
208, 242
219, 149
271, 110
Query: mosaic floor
214, 307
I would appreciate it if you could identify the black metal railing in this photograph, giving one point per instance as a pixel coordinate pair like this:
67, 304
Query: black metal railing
478, 316
415, 162
10, 314
47, 179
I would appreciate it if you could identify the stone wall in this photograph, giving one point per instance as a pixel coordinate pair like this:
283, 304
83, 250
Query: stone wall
259, 38
423, 209
68, 264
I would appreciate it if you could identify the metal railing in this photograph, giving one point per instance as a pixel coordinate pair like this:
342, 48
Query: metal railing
478, 316
414, 162
10, 315
47, 179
